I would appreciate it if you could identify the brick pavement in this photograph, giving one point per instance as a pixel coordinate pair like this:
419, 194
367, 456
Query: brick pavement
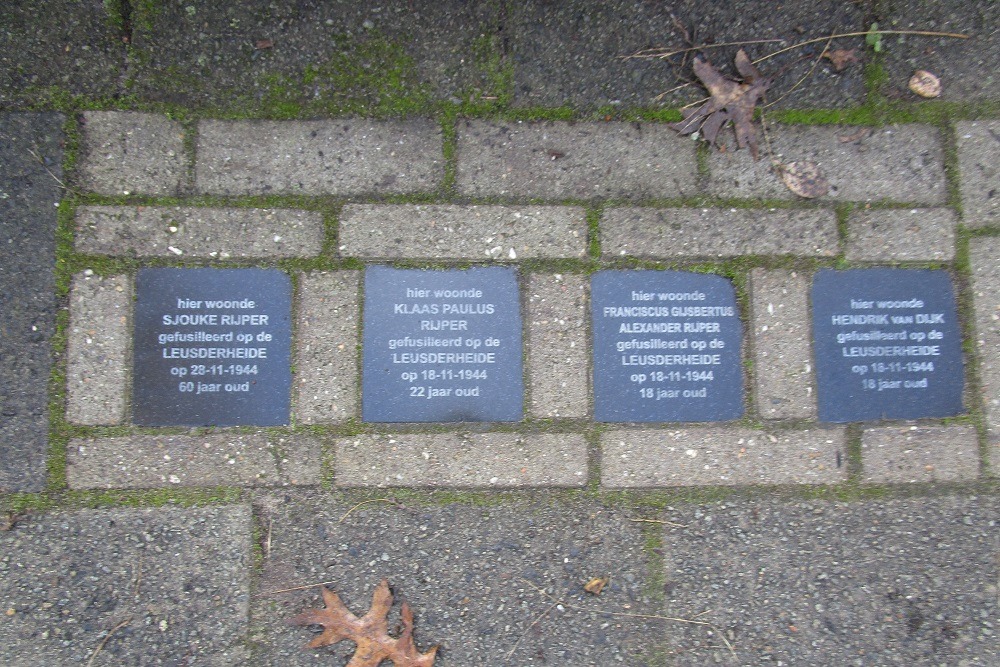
865, 543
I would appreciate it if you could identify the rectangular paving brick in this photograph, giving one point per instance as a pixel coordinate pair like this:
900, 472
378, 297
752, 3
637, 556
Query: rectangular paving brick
146, 586
492, 460
319, 157
899, 235
556, 160
326, 352
812, 583
896, 163
906, 453
717, 232
721, 455
983, 253
153, 231
472, 574
171, 461
558, 354
132, 153
30, 162
462, 232
784, 382
97, 349
979, 171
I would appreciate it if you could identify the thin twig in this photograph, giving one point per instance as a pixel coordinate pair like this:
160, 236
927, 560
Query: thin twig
104, 641
38, 158
669, 523
672, 90
662, 54
525, 633
923, 33
374, 500
804, 76
138, 574
617, 613
296, 588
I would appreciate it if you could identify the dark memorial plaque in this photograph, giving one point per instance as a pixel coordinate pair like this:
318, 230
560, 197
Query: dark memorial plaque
887, 345
666, 347
441, 346
212, 347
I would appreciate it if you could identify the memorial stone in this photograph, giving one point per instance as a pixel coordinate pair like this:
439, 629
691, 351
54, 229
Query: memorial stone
212, 347
441, 346
666, 347
887, 344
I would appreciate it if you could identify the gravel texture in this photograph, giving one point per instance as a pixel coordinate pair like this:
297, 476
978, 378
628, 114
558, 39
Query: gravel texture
717, 232
179, 577
979, 166
326, 353
557, 352
724, 456
492, 460
318, 157
471, 575
899, 162
97, 351
28, 193
570, 53
880, 582
911, 453
462, 232
171, 461
900, 235
784, 384
216, 233
555, 160
126, 153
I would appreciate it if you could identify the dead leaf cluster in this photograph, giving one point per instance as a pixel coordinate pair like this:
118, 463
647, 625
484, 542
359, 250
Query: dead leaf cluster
370, 632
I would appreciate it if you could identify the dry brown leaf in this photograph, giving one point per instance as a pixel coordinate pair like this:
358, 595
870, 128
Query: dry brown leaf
262, 44
370, 632
841, 58
804, 179
596, 585
730, 101
925, 84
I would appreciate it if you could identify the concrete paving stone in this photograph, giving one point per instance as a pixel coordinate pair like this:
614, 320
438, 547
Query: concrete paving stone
911, 453
898, 162
180, 577
322, 157
339, 52
717, 232
28, 194
171, 461
979, 168
57, 45
131, 153
492, 460
784, 383
326, 352
967, 67
556, 160
983, 253
558, 354
721, 455
148, 231
571, 52
900, 235
97, 349
471, 575
462, 232
816, 583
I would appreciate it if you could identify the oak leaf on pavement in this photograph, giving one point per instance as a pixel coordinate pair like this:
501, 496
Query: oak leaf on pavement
370, 632
730, 101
